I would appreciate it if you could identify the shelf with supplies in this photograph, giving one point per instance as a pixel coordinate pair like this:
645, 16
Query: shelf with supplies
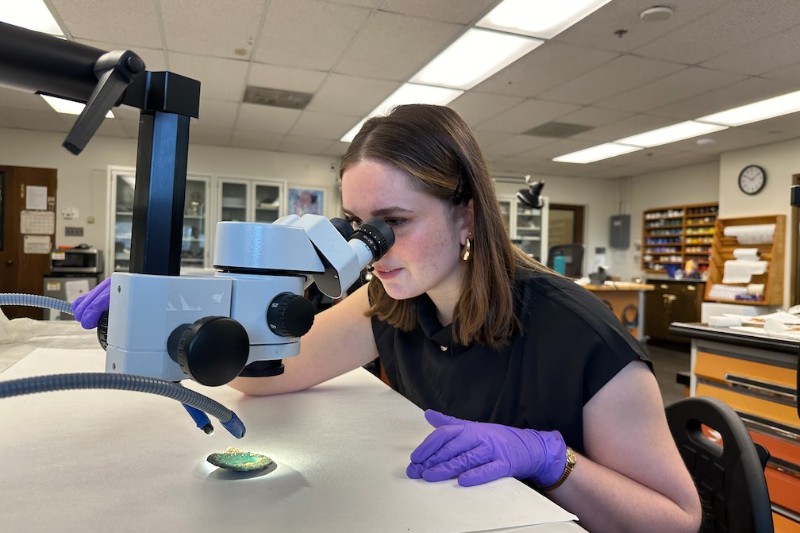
747, 261
673, 235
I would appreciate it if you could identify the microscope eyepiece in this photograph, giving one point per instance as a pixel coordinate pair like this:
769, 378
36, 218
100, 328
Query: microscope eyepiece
377, 235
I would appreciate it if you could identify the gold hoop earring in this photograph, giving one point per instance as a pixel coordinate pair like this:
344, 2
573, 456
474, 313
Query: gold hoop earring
467, 250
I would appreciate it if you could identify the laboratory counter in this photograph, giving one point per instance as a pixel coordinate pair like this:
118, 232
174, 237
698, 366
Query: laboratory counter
626, 301
112, 460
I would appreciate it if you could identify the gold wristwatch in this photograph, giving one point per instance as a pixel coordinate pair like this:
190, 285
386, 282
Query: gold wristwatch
568, 468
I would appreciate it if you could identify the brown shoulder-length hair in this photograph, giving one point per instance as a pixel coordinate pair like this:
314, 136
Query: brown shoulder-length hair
434, 146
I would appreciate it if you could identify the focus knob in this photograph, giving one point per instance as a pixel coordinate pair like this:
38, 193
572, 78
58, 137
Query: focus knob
290, 315
211, 351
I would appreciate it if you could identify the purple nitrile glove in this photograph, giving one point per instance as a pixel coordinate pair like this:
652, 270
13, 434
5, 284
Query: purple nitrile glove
88, 307
478, 452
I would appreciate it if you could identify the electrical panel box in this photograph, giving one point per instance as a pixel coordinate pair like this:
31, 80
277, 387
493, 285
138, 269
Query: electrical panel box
620, 233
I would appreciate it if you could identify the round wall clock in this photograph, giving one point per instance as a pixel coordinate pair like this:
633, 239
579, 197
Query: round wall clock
752, 179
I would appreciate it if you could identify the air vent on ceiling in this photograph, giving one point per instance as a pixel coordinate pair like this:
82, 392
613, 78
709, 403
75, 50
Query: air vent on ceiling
276, 97
558, 130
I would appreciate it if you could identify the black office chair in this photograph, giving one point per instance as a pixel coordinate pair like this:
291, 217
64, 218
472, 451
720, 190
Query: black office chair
573, 258
730, 478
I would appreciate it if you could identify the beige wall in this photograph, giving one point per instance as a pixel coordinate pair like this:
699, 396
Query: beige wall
83, 179
83, 184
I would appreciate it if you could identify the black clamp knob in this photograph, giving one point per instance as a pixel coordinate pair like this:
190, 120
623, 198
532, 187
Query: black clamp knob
290, 315
211, 351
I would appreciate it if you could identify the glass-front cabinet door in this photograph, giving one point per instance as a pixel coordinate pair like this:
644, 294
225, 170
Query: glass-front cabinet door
250, 200
194, 244
527, 226
532, 239
267, 202
233, 201
194, 249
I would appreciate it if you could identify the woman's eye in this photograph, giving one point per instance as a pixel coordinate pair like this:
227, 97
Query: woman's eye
354, 222
394, 222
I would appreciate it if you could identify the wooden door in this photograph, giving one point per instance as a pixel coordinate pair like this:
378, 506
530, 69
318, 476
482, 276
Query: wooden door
27, 232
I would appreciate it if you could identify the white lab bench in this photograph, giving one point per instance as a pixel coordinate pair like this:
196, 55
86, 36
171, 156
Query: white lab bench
127, 461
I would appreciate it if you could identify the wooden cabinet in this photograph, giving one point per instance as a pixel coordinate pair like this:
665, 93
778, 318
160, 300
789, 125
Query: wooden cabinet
673, 235
764, 238
671, 301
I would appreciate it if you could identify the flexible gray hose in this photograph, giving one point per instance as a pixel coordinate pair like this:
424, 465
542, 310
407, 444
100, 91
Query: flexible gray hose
102, 380
35, 300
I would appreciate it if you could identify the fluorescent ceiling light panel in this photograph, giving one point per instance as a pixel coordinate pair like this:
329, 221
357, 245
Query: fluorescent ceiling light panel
539, 18
596, 153
670, 134
473, 57
31, 14
408, 93
770, 108
68, 106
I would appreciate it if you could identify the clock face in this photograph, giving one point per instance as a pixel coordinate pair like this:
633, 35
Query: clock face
752, 179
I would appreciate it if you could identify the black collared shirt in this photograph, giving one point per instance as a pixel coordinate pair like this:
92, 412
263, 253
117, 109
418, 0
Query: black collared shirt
571, 345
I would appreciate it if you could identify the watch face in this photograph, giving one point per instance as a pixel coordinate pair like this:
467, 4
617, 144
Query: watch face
752, 179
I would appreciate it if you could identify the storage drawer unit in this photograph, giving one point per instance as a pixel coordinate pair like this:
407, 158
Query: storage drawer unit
761, 385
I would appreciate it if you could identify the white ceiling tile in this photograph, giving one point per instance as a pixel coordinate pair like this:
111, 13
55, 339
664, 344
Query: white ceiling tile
789, 73
285, 78
673, 88
256, 140
323, 125
267, 119
4, 123
336, 149
457, 11
547, 66
527, 115
395, 47
121, 21
154, 58
626, 127
307, 34
348, 95
593, 116
217, 113
220, 79
744, 92
32, 119
350, 54
227, 26
112, 127
771, 53
624, 73
735, 25
516, 145
475, 107
358, 3
599, 30
22, 100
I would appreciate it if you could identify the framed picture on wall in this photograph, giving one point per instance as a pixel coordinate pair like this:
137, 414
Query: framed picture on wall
306, 200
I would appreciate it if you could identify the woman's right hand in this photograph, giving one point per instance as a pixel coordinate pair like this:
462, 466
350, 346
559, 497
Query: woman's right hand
88, 307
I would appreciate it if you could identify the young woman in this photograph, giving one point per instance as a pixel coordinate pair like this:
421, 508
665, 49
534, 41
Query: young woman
522, 372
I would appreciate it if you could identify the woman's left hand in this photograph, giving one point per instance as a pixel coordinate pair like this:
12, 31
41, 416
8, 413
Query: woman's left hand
477, 452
